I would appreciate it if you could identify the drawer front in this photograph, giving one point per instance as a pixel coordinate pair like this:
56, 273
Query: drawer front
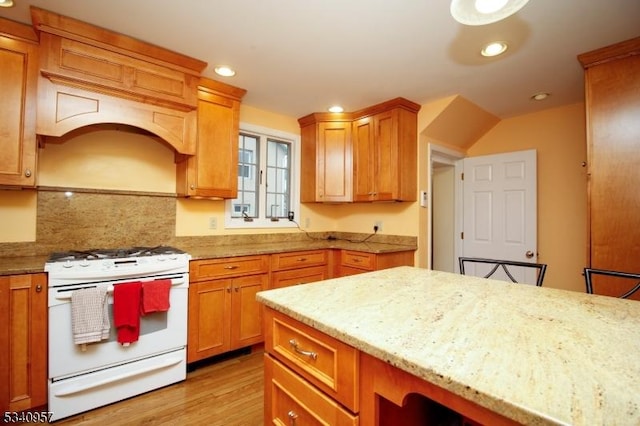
298, 276
327, 363
200, 270
291, 400
298, 259
356, 259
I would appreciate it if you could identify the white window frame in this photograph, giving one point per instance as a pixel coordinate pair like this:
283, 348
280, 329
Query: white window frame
263, 222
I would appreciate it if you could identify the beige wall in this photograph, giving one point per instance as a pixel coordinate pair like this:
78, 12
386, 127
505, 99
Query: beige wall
559, 137
121, 160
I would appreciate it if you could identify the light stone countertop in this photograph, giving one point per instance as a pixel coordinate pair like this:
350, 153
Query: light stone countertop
536, 355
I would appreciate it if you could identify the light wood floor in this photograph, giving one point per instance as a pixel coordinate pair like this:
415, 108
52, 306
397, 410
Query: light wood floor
226, 393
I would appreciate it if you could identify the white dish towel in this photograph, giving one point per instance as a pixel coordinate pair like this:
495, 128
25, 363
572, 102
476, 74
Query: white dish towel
90, 315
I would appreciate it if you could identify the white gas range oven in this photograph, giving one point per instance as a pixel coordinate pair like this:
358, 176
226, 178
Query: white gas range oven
86, 376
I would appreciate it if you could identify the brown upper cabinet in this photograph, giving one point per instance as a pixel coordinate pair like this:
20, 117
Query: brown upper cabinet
612, 89
213, 171
19, 71
368, 155
91, 75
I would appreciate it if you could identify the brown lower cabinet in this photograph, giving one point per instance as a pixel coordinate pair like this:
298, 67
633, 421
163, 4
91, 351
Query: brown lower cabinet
356, 262
23, 342
223, 312
298, 267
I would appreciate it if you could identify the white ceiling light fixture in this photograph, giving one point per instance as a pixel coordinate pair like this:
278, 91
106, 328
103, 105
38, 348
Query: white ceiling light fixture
336, 108
541, 96
494, 48
224, 71
6, 3
483, 12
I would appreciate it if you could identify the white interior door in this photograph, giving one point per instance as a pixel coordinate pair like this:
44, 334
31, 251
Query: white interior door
499, 210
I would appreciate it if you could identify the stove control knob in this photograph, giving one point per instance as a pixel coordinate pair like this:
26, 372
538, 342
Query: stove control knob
161, 258
67, 264
84, 263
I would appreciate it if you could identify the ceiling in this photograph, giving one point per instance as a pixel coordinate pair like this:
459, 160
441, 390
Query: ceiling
295, 57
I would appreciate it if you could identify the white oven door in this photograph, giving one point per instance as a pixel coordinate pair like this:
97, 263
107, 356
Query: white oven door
159, 332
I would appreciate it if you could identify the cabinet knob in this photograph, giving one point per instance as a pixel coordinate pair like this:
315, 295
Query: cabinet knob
292, 417
38, 288
27, 173
192, 186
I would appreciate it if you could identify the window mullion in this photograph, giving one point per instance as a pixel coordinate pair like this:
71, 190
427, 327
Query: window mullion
264, 181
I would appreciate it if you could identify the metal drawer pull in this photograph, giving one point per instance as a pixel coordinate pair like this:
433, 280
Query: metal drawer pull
295, 347
302, 259
292, 417
231, 267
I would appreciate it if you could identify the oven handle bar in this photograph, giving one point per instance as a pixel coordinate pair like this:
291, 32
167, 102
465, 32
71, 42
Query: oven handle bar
67, 295
84, 387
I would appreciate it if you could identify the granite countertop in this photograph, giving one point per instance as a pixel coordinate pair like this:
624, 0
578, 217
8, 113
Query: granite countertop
211, 252
11, 265
533, 354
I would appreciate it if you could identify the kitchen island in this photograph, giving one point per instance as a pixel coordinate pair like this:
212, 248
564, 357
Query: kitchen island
492, 351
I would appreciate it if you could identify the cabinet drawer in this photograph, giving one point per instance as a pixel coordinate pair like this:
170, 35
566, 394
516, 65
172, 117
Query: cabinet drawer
298, 276
298, 259
200, 270
360, 260
292, 400
327, 363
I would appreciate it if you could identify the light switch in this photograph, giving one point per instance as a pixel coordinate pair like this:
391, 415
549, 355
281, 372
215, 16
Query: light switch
424, 198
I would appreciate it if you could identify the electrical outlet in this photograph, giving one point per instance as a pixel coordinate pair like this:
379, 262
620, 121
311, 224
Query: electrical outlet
377, 226
291, 215
213, 222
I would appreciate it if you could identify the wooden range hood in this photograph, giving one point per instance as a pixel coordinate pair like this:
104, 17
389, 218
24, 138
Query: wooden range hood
90, 75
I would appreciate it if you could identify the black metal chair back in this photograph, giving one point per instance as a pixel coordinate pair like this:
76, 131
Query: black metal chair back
620, 284
504, 265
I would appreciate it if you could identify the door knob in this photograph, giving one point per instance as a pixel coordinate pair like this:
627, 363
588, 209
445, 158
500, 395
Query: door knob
529, 254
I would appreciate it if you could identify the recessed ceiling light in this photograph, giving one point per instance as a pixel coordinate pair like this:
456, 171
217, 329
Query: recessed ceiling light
6, 3
483, 12
224, 71
540, 96
336, 108
494, 48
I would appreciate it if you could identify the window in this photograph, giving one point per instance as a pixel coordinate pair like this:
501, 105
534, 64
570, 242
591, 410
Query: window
268, 178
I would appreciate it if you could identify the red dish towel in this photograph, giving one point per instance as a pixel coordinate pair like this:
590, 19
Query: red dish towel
126, 311
155, 296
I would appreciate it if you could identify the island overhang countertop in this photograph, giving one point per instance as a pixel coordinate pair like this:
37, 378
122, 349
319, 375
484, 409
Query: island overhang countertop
533, 354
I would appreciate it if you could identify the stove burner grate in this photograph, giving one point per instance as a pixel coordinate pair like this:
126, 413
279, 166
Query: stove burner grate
95, 254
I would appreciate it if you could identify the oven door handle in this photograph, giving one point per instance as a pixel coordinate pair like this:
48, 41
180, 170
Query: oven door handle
67, 294
71, 390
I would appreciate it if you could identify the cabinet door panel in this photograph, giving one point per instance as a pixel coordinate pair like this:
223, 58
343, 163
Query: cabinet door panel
23, 342
246, 312
386, 162
334, 173
613, 91
18, 76
363, 160
209, 318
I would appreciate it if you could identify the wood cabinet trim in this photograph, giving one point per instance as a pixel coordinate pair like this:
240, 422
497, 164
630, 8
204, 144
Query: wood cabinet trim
610, 53
17, 31
64, 26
